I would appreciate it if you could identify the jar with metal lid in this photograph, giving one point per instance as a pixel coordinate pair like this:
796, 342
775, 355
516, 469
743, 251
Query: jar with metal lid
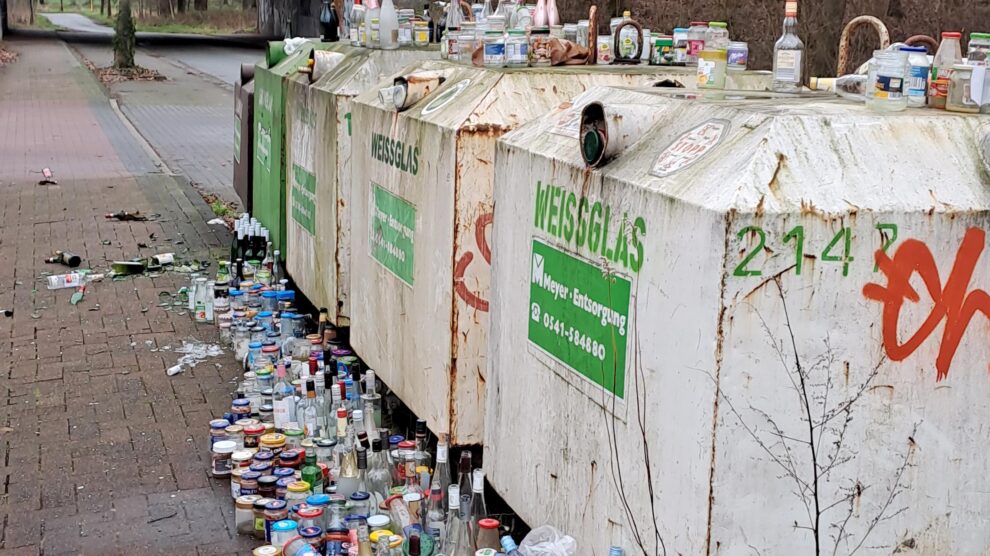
241, 459
236, 433
266, 486
235, 481
220, 460
314, 536
293, 438
405, 31
284, 472
379, 522
738, 55
960, 86
516, 49
249, 483
310, 516
360, 504
290, 458
978, 50
421, 33
218, 432
272, 442
257, 334
244, 514
226, 330
283, 531
252, 435
494, 49
241, 408
259, 517
266, 550
296, 492
539, 47
263, 467
275, 510
324, 449
282, 485
267, 410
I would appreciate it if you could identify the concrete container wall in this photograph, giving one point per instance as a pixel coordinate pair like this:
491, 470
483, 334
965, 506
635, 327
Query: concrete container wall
691, 424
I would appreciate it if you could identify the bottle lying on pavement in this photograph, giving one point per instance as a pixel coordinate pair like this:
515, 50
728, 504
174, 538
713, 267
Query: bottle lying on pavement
71, 280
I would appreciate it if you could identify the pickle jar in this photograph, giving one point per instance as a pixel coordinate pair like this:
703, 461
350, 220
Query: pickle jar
244, 514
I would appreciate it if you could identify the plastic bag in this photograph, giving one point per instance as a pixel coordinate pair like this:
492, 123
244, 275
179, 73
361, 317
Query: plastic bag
547, 541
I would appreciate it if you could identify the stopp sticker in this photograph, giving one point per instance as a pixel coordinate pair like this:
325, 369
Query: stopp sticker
689, 148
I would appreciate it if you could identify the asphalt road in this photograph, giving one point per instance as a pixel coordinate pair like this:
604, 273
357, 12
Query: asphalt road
77, 22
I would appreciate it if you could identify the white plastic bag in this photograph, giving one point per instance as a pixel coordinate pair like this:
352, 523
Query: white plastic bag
547, 541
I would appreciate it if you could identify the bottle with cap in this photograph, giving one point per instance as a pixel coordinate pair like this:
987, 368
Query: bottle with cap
479, 509
510, 547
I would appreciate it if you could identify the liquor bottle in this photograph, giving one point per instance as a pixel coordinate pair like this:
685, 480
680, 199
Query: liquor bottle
328, 23
323, 323
311, 473
346, 455
379, 478
268, 262
412, 485
423, 458
357, 24
458, 541
441, 471
362, 473
372, 404
357, 424
238, 273
277, 273
310, 412
479, 510
329, 409
350, 401
283, 400
364, 540
395, 468
788, 53
464, 481
414, 540
436, 514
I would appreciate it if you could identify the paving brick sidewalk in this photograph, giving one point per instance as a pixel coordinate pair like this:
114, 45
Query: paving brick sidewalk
100, 451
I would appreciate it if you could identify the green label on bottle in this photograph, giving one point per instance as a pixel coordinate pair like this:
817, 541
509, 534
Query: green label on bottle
579, 315
393, 223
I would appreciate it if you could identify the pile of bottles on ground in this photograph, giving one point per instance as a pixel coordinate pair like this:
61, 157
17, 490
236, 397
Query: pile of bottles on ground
903, 76
312, 464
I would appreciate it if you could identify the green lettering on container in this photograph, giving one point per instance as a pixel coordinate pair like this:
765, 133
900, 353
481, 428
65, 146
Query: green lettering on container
580, 316
393, 225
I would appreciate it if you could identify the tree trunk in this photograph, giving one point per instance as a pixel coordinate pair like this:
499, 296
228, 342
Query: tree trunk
164, 9
828, 19
181, 6
200, 5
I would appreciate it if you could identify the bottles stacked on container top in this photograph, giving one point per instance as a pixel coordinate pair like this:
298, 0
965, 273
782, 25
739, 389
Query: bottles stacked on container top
788, 54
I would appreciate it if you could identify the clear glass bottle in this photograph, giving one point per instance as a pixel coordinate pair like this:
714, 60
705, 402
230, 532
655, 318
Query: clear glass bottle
949, 54
310, 410
441, 471
479, 510
283, 400
346, 456
458, 537
435, 515
888, 75
788, 54
413, 485
357, 24
379, 477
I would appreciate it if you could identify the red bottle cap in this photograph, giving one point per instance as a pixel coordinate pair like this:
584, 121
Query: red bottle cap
488, 523
951, 35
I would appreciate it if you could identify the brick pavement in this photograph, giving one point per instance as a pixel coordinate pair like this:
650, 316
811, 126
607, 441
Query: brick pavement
100, 451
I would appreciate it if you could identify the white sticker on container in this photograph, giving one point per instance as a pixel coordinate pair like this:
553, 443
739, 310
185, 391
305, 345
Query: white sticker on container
689, 147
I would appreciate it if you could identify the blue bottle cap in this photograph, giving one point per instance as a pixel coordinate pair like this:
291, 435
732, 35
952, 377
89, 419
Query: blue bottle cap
318, 500
235, 293
284, 472
395, 439
360, 496
254, 345
240, 402
508, 545
269, 294
284, 526
263, 315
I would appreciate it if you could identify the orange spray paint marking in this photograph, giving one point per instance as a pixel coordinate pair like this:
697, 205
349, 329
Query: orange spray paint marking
469, 297
954, 303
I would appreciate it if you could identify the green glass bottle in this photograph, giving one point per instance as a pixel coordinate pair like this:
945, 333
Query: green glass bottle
312, 474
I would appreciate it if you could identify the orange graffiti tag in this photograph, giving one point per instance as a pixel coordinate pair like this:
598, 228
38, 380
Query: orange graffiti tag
954, 303
468, 296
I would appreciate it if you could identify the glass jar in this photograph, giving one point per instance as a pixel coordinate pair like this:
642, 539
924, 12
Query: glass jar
556, 31
264, 320
663, 51
680, 46
244, 514
603, 52
421, 33
379, 522
582, 33
488, 534
405, 31
887, 76
267, 411
375, 38
310, 516
235, 481
293, 438
225, 327
324, 449
240, 408
241, 459
711, 69
282, 486
257, 334
516, 49
218, 432
466, 44
249, 483
296, 492
696, 41
272, 443
269, 357
313, 535
539, 47
570, 32
978, 50
237, 301
220, 459
283, 531
259, 517
717, 36
266, 486
269, 301
236, 434
960, 85
290, 459
321, 501
360, 504
275, 511
738, 55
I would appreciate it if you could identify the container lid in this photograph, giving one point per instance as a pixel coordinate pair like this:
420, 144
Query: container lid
260, 503
234, 429
951, 35
360, 496
375, 535
517, 32
235, 473
269, 349
264, 314
981, 36
284, 472
664, 41
318, 500
298, 486
235, 293
267, 550
275, 505
286, 295
224, 446
325, 443
263, 456
266, 408
250, 476
395, 439
379, 521
284, 482
255, 429
242, 455
246, 422
255, 329
260, 466
680, 29
254, 345
955, 67
540, 31
412, 497
284, 525
406, 445
273, 438
311, 532
241, 402
268, 480
247, 501
293, 432
310, 512
737, 44
488, 523
719, 24
269, 294
219, 424
698, 23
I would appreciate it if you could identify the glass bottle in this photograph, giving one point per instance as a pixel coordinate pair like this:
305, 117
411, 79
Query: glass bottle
312, 474
435, 521
328, 413
464, 481
388, 26
283, 400
372, 404
364, 541
413, 485
328, 25
310, 412
423, 457
948, 54
357, 24
362, 474
346, 456
441, 471
458, 539
788, 53
277, 273
488, 534
479, 510
379, 477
